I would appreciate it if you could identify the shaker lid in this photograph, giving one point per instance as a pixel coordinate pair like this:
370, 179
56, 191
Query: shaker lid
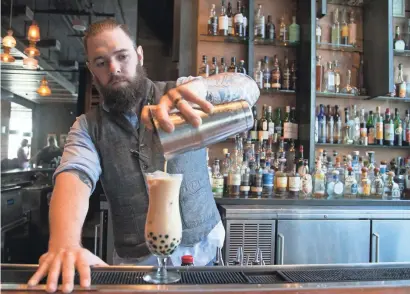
187, 259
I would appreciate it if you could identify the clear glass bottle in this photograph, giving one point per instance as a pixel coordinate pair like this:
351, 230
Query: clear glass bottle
257, 187
267, 180
214, 70
330, 130
399, 44
319, 74
294, 182
245, 177
363, 128
365, 185
319, 182
283, 31
391, 188
281, 180
305, 181
213, 22
352, 30
226, 166
204, 69
238, 21
338, 78
329, 79
347, 129
259, 23
224, 67
258, 75
294, 31
400, 83
267, 78
351, 187
356, 123
377, 188
336, 28
338, 188
217, 180
234, 177
242, 68
318, 32
349, 89
322, 124
276, 74
223, 21
345, 29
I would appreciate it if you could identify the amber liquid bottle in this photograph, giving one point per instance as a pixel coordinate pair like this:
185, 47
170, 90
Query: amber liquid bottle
319, 74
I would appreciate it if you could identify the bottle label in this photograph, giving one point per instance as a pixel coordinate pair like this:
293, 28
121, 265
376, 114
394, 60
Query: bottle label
278, 130
379, 130
287, 130
295, 131
238, 19
370, 135
363, 132
234, 179
282, 182
331, 80
318, 32
408, 135
338, 188
245, 188
402, 90
254, 135
256, 189
353, 189
223, 23
267, 179
389, 132
352, 34
230, 26
265, 125
218, 185
345, 31
271, 128
366, 189
306, 184
399, 130
294, 184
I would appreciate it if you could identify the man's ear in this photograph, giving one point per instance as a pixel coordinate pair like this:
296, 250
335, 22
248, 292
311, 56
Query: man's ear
140, 55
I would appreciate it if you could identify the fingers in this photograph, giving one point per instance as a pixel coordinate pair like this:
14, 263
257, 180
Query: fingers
189, 113
190, 96
42, 271
146, 116
54, 273
68, 272
162, 116
83, 268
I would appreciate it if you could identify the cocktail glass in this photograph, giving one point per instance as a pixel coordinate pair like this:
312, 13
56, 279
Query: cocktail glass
163, 227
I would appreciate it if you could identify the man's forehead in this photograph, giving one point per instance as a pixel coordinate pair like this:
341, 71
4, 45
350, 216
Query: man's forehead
108, 41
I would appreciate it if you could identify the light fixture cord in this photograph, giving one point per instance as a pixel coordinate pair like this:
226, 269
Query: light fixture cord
11, 13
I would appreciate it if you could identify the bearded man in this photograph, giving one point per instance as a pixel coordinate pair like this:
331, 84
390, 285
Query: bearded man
115, 143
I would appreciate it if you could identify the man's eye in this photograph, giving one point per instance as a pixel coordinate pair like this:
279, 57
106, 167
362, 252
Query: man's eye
122, 57
100, 64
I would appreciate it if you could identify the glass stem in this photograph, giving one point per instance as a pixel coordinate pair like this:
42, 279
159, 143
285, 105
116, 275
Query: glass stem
162, 266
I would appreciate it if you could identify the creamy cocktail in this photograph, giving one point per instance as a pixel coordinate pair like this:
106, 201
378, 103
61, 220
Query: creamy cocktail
163, 227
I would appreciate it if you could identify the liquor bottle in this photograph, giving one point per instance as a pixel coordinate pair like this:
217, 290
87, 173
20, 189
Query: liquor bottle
245, 177
388, 129
226, 165
365, 184
379, 127
258, 75
224, 67
278, 123
270, 29
254, 130
363, 129
223, 21
391, 188
230, 20
347, 139
370, 129
283, 31
345, 29
238, 20
276, 74
233, 67
217, 180
214, 70
267, 81
286, 75
336, 28
318, 32
336, 69
294, 31
290, 156
406, 129
319, 73
263, 125
259, 23
204, 69
352, 30
213, 22
245, 21
234, 178
305, 181
281, 180
300, 159
351, 187
398, 42
377, 188
400, 84
338, 186
337, 127
271, 124
398, 129
322, 124
267, 180
293, 76
241, 68
294, 183
360, 78
319, 183
256, 188
349, 89
356, 125
316, 129
295, 125
329, 79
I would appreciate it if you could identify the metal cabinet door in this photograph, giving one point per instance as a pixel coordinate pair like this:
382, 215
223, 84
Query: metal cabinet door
250, 235
390, 241
322, 241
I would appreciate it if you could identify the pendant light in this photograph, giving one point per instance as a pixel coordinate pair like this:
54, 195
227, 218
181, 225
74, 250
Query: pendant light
30, 63
44, 89
31, 50
6, 56
33, 33
8, 41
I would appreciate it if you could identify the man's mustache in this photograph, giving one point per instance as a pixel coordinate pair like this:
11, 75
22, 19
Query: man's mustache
117, 78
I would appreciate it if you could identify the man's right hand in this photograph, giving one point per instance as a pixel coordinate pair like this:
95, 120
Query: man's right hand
65, 260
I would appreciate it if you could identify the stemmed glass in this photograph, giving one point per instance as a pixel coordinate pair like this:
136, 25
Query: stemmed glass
163, 227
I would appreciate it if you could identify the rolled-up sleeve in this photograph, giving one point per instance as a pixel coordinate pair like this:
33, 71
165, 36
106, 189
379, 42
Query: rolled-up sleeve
80, 153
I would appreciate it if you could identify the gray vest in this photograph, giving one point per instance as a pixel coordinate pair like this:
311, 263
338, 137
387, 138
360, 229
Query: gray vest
124, 184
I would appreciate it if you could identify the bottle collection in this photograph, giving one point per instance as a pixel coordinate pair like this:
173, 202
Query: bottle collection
361, 128
276, 77
260, 172
341, 32
214, 68
235, 24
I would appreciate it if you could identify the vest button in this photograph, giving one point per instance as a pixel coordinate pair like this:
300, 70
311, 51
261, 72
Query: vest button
145, 166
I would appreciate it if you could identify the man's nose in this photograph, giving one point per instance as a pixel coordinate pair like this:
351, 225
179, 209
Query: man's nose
114, 67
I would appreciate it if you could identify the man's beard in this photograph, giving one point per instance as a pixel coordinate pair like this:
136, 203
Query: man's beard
125, 98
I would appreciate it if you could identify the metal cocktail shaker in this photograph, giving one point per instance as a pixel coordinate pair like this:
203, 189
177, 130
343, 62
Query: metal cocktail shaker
226, 120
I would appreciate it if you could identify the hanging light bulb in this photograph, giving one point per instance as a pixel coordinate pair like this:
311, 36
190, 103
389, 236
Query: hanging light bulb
9, 41
44, 89
31, 50
6, 56
30, 63
33, 33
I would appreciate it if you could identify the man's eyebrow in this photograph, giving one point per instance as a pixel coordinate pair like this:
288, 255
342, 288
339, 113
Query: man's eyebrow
115, 52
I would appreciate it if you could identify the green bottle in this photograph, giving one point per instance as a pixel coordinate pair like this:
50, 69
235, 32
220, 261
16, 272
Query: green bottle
370, 129
398, 129
278, 124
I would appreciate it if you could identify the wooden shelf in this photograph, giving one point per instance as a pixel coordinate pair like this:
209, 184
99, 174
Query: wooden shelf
360, 146
340, 96
276, 43
222, 39
334, 47
388, 98
353, 3
401, 52
272, 92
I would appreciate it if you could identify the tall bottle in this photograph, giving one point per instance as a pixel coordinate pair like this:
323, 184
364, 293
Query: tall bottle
351, 187
379, 127
399, 44
217, 180
231, 27
270, 29
271, 124
263, 133
267, 78
234, 178
345, 29
406, 130
400, 84
363, 128
204, 69
338, 79
278, 123
214, 70
293, 76
329, 79
258, 75
319, 183
245, 177
283, 31
223, 21
322, 124
305, 181
294, 183
338, 136
377, 188
226, 165
254, 130
294, 31
281, 180
370, 129
336, 28
257, 187
286, 75
259, 23
267, 180
245, 21
233, 67
388, 129
318, 32
319, 74
276, 75
213, 22
224, 67
398, 129
352, 30
238, 20
242, 68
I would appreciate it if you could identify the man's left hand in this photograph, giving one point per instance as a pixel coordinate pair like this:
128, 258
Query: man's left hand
177, 98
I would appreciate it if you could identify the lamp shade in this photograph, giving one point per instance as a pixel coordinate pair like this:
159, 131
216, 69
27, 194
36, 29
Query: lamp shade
9, 41
33, 33
6, 56
31, 50
30, 63
44, 89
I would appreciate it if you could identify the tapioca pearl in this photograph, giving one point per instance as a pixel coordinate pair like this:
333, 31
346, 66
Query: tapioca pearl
172, 244
162, 241
151, 233
154, 246
173, 239
160, 247
166, 236
166, 246
155, 238
150, 242
160, 236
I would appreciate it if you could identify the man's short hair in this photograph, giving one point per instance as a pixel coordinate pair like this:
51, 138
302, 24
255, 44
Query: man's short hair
102, 25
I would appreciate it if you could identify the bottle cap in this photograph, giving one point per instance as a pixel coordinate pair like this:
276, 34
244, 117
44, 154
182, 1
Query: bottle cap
187, 259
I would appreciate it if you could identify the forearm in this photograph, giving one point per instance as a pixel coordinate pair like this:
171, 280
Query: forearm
68, 208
